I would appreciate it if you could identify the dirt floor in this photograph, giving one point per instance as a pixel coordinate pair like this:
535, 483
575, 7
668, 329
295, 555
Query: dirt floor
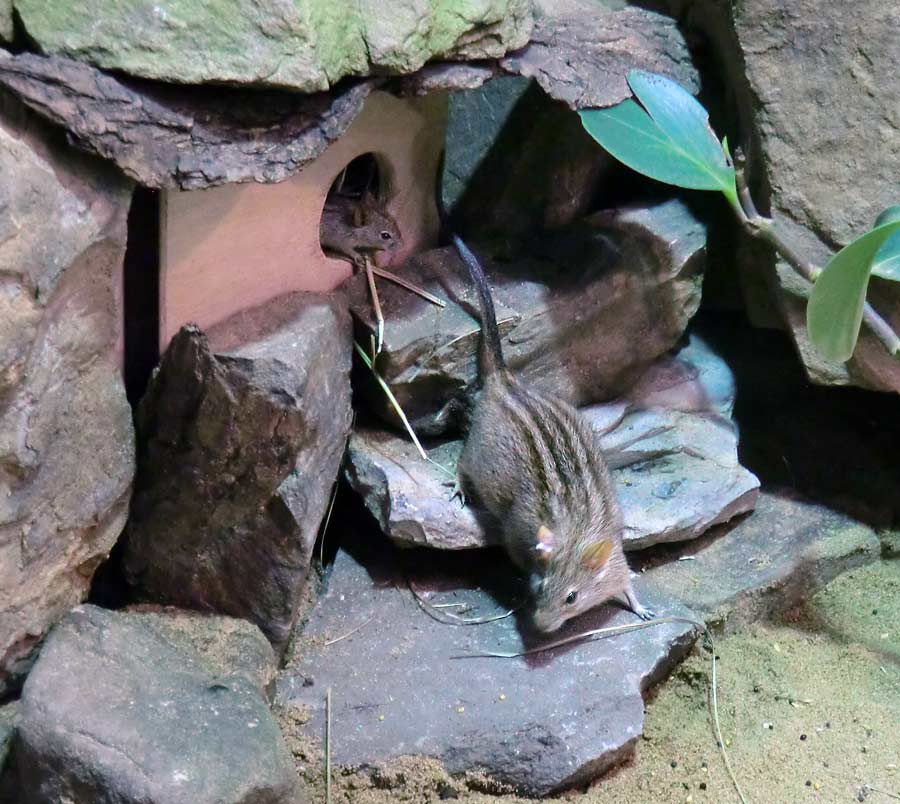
810, 711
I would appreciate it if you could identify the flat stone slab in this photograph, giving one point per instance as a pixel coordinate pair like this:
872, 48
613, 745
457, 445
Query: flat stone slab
151, 708
764, 564
539, 723
671, 447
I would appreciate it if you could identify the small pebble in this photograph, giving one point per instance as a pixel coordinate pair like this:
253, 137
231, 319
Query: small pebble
381, 717
502, 696
827, 724
673, 764
689, 799
802, 736
702, 785
768, 725
460, 709
808, 783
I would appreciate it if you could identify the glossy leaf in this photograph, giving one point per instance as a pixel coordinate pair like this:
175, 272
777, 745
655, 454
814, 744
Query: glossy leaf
666, 137
834, 312
887, 261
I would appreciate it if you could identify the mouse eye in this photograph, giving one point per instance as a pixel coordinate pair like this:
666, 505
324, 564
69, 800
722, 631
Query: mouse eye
386, 236
571, 597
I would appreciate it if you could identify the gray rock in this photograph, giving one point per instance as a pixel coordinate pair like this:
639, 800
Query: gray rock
580, 50
300, 46
193, 137
475, 119
764, 564
240, 442
187, 137
66, 438
517, 161
814, 83
890, 543
581, 314
539, 723
116, 710
9, 715
672, 449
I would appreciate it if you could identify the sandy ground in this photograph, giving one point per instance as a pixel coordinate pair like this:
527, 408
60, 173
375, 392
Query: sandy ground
810, 710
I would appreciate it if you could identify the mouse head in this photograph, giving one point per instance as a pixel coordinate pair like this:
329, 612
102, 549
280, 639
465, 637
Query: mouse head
373, 228
575, 575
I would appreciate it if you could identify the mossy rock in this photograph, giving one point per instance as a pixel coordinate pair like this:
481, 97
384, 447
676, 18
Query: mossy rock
306, 45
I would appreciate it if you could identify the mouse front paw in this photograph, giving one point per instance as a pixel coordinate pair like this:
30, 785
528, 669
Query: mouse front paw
456, 490
635, 605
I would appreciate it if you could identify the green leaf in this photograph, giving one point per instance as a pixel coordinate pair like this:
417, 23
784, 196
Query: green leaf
887, 261
668, 138
835, 309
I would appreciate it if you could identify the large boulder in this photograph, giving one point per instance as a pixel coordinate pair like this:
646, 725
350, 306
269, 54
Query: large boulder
303, 46
66, 438
670, 443
583, 310
151, 708
814, 81
240, 439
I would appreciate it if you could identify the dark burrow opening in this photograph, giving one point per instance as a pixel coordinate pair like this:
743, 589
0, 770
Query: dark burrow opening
141, 291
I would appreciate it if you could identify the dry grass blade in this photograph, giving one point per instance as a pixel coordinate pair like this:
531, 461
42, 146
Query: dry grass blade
392, 399
448, 618
376, 304
399, 280
348, 634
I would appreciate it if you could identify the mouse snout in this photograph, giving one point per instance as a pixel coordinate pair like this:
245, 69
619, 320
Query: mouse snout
547, 620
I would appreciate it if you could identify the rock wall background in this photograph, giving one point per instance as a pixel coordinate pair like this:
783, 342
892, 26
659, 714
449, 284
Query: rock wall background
66, 438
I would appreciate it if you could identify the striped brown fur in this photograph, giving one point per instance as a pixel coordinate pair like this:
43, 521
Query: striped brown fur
533, 462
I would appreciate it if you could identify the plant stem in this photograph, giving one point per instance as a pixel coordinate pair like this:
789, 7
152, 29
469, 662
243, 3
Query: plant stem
763, 228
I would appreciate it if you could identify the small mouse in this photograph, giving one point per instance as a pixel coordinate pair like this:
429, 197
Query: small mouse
353, 228
534, 463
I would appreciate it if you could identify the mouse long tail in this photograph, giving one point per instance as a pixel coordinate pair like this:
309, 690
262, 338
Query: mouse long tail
491, 353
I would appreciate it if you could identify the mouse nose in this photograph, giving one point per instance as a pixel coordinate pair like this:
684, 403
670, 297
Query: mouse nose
546, 621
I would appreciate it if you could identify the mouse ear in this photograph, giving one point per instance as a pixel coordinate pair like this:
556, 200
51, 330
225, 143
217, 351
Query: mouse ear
359, 215
368, 198
596, 554
545, 540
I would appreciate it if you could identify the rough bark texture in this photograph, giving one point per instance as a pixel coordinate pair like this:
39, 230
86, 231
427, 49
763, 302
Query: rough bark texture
141, 708
240, 442
670, 442
582, 310
305, 45
192, 137
66, 439
816, 92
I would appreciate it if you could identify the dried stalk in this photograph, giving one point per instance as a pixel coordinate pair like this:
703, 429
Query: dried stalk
763, 228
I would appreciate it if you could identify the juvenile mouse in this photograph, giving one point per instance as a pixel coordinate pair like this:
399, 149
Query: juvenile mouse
534, 463
353, 228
